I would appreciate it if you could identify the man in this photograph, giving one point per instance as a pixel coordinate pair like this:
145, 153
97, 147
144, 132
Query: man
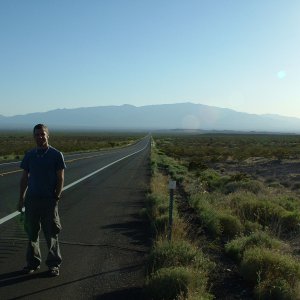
40, 190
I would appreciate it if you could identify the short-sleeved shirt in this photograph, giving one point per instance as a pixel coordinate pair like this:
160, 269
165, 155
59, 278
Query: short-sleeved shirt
42, 166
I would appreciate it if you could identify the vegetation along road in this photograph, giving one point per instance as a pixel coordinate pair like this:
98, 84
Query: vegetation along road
103, 240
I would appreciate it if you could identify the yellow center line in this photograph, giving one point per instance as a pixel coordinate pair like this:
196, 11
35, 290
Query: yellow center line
2, 174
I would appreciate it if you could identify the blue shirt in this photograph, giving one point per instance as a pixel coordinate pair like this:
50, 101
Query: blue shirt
42, 166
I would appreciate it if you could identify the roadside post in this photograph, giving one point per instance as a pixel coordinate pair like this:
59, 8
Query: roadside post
172, 187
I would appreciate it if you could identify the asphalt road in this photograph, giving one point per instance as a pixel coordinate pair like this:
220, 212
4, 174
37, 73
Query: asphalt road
104, 241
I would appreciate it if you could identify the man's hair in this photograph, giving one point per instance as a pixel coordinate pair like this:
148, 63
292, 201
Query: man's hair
40, 126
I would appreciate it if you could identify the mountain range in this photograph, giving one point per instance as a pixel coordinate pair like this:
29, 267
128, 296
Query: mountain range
154, 117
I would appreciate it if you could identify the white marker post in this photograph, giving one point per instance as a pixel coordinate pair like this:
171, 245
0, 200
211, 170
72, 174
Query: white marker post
172, 187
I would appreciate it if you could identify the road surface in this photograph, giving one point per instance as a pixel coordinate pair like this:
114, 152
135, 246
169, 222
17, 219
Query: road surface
104, 241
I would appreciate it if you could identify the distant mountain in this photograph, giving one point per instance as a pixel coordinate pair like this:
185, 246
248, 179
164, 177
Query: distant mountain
154, 117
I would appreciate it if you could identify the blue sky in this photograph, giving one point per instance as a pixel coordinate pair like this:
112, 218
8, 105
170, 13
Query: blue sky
237, 54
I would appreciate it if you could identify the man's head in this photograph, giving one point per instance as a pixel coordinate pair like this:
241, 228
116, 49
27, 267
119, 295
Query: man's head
41, 135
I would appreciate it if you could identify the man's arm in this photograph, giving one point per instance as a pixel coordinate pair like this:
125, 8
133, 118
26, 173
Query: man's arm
23, 188
60, 183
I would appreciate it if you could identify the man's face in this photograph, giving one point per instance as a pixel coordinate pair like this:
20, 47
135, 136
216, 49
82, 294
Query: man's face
41, 137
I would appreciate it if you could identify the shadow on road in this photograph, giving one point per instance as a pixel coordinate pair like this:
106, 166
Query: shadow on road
17, 276
138, 230
125, 294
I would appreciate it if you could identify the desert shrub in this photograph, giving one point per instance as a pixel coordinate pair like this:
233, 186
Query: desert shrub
269, 214
230, 225
177, 253
219, 223
252, 186
210, 221
197, 165
212, 180
153, 166
275, 185
177, 172
251, 227
261, 266
207, 214
296, 186
239, 177
261, 210
160, 224
236, 248
276, 289
286, 183
193, 186
163, 208
288, 202
176, 282
156, 204
214, 215
200, 200
290, 221
239, 197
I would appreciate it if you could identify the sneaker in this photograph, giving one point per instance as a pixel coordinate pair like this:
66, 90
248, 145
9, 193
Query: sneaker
30, 269
54, 271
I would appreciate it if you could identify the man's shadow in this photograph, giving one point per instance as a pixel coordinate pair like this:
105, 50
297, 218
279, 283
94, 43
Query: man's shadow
19, 276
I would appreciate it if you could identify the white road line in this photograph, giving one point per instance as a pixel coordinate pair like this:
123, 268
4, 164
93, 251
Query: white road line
99, 170
10, 163
16, 213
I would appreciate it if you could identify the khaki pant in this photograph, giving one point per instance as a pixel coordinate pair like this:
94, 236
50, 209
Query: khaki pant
42, 214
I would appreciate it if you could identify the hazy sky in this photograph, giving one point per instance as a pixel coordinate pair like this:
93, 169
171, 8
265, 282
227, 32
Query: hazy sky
238, 54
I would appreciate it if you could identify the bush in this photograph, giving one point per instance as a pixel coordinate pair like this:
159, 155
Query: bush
275, 289
196, 166
156, 203
173, 283
236, 248
211, 222
216, 220
177, 253
287, 202
230, 225
157, 210
262, 211
264, 267
213, 180
251, 227
291, 221
160, 224
252, 186
229, 184
268, 214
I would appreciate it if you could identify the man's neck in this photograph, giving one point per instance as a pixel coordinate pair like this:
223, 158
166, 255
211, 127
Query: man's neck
46, 146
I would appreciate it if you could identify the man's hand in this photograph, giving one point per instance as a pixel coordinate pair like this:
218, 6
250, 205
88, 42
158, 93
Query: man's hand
23, 188
20, 205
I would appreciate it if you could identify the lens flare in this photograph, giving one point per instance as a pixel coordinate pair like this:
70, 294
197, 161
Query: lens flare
281, 74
